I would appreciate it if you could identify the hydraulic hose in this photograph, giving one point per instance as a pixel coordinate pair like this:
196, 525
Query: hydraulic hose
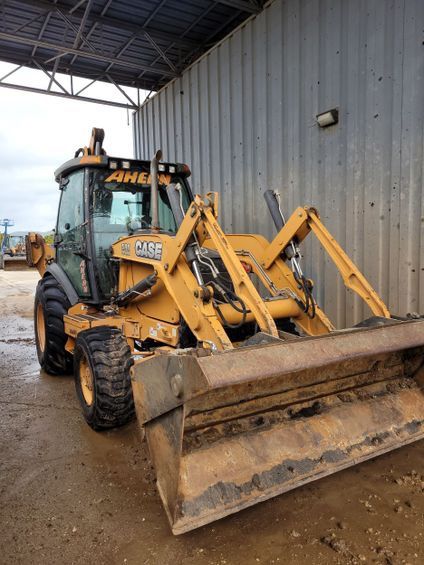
125, 297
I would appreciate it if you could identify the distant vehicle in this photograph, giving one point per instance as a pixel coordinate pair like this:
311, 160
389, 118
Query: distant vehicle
14, 245
13, 255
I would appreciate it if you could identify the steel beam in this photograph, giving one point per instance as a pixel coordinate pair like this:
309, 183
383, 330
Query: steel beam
241, 5
86, 54
51, 77
42, 30
196, 21
77, 5
88, 85
160, 51
137, 34
77, 31
121, 90
112, 22
28, 22
69, 96
94, 25
82, 24
11, 72
121, 50
154, 12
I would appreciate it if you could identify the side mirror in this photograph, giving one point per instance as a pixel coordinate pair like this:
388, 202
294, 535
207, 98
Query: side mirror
63, 182
57, 239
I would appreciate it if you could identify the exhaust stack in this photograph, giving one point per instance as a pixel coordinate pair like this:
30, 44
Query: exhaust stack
154, 196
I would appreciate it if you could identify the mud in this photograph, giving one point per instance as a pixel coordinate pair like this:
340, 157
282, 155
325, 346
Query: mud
71, 495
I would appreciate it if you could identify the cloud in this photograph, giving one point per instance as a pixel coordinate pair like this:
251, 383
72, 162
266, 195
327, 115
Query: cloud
37, 134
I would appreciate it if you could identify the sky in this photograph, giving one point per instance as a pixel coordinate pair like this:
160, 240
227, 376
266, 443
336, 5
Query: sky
40, 132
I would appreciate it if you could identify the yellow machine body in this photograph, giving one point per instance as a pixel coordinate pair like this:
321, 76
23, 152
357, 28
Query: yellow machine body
231, 423
177, 295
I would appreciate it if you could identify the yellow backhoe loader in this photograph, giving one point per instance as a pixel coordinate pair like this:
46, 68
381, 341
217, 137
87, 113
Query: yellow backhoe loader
240, 382
13, 253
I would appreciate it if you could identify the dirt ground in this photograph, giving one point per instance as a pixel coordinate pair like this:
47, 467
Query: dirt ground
71, 495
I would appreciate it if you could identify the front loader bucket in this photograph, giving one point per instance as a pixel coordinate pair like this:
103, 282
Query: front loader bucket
15, 263
229, 430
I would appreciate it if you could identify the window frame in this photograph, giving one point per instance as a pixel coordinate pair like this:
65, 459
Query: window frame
95, 297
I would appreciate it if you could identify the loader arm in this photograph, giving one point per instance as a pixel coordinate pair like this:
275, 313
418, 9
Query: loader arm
38, 253
298, 226
193, 300
278, 279
266, 261
244, 286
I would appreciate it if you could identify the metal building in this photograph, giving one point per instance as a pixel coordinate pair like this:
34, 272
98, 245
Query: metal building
243, 117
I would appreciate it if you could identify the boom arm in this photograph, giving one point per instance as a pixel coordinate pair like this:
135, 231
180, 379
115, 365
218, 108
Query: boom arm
301, 222
201, 305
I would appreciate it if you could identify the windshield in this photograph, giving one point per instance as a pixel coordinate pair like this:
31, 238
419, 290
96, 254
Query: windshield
15, 240
121, 199
120, 206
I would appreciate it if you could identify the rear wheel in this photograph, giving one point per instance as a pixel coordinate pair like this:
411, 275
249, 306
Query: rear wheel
102, 360
50, 306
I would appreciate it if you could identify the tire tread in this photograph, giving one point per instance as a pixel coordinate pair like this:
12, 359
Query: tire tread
109, 355
55, 360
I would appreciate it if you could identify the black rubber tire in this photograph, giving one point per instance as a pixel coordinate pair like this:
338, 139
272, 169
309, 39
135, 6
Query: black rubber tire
109, 357
54, 359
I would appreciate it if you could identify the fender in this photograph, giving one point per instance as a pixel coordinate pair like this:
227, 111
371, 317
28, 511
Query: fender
59, 274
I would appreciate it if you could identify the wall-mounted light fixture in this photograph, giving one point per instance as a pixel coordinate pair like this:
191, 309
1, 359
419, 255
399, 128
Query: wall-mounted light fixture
328, 118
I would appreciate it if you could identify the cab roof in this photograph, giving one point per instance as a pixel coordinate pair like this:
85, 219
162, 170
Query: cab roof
107, 162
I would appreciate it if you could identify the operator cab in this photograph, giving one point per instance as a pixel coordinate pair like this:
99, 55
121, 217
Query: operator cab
103, 199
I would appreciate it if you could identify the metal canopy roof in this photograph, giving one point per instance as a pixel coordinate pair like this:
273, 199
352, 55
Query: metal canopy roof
143, 44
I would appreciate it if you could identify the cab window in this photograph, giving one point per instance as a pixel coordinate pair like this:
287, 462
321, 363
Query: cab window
70, 238
71, 212
120, 206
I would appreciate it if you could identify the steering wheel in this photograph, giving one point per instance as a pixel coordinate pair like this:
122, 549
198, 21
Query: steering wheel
137, 223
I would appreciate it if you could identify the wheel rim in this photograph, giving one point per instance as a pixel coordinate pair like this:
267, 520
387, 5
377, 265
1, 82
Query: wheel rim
86, 381
41, 327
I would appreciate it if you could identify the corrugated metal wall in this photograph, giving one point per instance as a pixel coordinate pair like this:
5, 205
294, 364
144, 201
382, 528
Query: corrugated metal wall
243, 118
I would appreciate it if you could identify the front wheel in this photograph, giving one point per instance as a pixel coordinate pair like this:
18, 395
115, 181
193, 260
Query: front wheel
50, 306
102, 360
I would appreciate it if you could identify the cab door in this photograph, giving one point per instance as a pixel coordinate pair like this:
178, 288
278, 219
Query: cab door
71, 252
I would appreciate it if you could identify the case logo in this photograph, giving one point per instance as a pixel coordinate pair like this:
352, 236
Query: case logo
149, 249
